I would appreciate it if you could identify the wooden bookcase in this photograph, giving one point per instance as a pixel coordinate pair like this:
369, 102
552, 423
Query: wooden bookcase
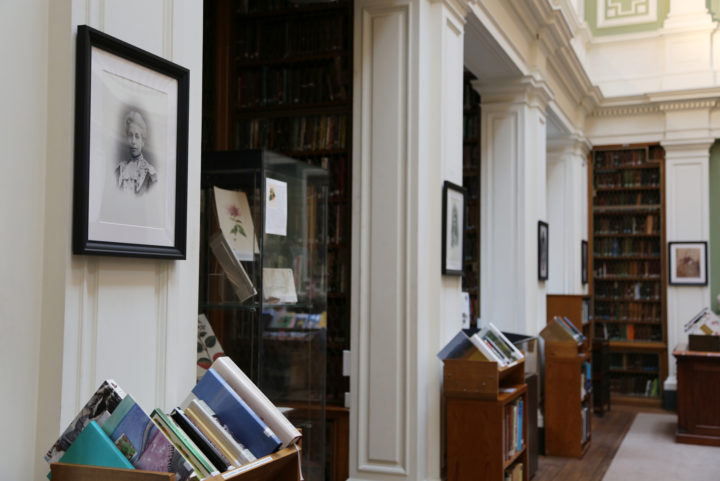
479, 400
471, 182
568, 395
277, 75
281, 466
628, 267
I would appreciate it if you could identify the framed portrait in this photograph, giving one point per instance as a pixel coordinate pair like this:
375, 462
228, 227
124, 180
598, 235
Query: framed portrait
543, 233
688, 263
584, 261
453, 209
131, 130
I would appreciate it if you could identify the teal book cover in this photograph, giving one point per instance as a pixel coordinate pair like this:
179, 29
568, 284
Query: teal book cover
94, 448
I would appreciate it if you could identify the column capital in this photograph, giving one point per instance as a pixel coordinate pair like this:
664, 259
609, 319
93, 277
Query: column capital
530, 89
459, 7
687, 148
575, 145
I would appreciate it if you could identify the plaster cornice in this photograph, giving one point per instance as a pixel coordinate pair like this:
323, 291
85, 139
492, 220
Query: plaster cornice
460, 8
529, 89
645, 105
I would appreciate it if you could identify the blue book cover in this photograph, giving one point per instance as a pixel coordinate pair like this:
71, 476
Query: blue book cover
242, 422
142, 443
93, 447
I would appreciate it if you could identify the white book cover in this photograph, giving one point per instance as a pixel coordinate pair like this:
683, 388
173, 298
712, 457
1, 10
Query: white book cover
257, 400
236, 224
487, 351
517, 353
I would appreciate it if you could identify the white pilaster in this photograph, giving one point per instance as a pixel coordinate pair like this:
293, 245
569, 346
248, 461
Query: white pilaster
513, 173
407, 139
686, 219
567, 201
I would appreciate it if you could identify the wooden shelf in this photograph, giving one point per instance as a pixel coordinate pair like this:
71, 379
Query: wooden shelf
283, 465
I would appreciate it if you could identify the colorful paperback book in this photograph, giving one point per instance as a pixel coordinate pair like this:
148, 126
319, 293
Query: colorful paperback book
92, 447
244, 424
203, 467
142, 443
201, 441
105, 399
256, 400
204, 418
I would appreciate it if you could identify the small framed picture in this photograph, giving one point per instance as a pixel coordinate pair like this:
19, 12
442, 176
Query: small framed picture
584, 262
688, 263
452, 229
131, 134
543, 234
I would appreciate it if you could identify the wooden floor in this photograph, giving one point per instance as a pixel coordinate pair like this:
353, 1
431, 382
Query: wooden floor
608, 432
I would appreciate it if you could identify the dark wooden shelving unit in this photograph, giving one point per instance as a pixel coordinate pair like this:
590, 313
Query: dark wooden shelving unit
278, 76
628, 267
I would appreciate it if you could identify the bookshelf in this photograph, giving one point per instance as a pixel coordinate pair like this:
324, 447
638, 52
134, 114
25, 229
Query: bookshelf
628, 267
280, 466
485, 417
471, 182
568, 394
278, 76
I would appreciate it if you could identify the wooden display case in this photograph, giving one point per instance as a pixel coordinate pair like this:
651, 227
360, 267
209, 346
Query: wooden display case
576, 307
568, 395
698, 391
281, 466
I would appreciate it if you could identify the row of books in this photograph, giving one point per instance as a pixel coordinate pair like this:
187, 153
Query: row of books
639, 385
337, 167
337, 272
634, 361
645, 178
562, 329
268, 6
627, 311
291, 35
620, 267
513, 428
294, 134
619, 158
586, 419
493, 344
282, 318
471, 127
585, 379
515, 472
303, 84
627, 289
626, 247
640, 223
226, 422
651, 197
627, 331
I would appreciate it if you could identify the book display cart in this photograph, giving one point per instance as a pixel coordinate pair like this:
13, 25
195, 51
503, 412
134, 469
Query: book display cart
278, 76
471, 182
268, 308
568, 393
628, 267
485, 415
576, 307
281, 466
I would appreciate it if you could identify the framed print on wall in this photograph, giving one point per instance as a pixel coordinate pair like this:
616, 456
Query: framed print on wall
688, 263
131, 131
453, 206
543, 233
584, 262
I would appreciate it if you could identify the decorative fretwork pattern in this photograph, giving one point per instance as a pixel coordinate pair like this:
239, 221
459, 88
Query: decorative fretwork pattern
616, 13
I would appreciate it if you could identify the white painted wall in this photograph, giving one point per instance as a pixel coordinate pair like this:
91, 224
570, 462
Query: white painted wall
74, 321
24, 50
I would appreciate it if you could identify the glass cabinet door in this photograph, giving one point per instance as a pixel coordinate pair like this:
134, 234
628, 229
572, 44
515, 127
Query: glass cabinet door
263, 281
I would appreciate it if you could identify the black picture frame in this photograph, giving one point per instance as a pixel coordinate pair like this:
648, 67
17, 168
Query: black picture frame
583, 261
131, 149
543, 241
687, 263
453, 222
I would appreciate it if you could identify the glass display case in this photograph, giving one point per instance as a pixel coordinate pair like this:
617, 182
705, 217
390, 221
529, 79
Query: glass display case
263, 280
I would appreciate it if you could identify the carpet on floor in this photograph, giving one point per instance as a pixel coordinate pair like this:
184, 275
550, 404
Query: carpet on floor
649, 452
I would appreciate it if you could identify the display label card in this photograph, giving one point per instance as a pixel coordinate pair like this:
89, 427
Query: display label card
275, 207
